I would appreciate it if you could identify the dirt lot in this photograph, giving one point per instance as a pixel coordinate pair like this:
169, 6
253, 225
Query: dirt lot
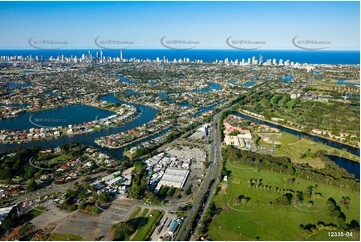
52, 216
87, 226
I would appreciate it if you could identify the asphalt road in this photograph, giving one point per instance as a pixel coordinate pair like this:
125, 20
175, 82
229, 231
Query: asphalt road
213, 173
51, 189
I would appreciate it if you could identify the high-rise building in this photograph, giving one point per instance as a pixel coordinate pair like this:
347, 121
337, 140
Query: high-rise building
121, 54
253, 60
89, 55
260, 60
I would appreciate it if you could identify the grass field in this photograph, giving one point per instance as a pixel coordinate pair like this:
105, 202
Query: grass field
293, 147
138, 213
146, 229
135, 213
66, 237
60, 158
259, 220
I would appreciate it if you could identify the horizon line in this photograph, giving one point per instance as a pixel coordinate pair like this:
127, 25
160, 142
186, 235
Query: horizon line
84, 48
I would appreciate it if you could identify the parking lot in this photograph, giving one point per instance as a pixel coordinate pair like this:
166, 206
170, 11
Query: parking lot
196, 174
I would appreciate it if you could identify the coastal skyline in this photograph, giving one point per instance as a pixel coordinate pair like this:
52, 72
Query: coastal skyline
300, 56
202, 25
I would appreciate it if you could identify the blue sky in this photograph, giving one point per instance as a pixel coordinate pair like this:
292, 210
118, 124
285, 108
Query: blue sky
209, 23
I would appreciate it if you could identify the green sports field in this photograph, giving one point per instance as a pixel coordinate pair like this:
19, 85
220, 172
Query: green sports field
258, 219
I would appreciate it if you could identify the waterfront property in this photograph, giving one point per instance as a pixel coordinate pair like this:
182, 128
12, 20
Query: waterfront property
53, 124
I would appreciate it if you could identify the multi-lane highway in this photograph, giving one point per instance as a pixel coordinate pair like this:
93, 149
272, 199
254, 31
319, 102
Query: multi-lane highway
204, 194
206, 186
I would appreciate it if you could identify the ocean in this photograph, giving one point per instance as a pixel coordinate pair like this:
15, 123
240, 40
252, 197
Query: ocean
301, 56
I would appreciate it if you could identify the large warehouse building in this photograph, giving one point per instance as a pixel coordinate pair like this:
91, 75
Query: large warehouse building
173, 177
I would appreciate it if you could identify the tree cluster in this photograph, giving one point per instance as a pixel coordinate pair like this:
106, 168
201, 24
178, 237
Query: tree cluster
329, 175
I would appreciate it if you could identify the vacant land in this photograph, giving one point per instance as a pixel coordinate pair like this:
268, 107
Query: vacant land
92, 226
251, 207
302, 150
53, 215
86, 226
